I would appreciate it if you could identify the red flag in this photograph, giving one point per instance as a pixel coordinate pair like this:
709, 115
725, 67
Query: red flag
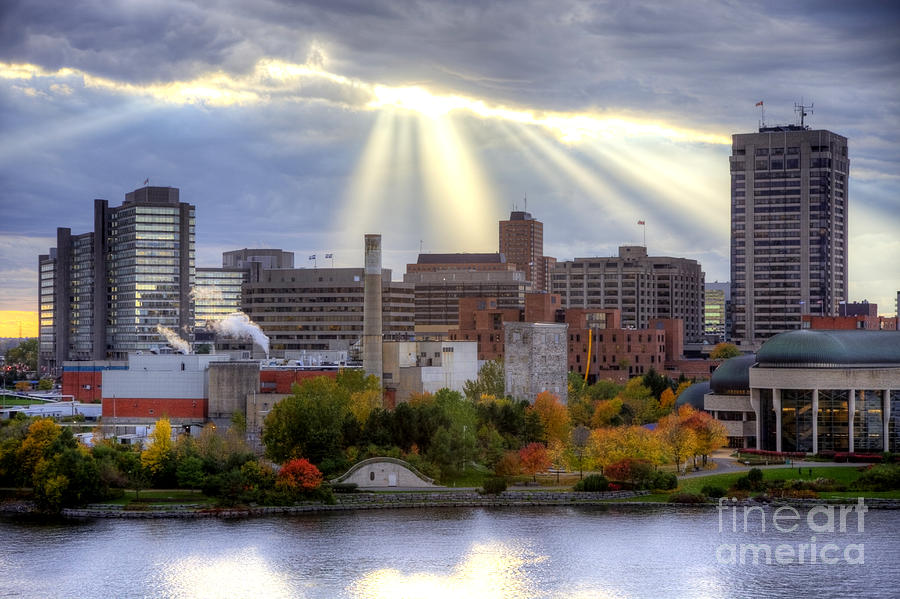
760, 103
640, 222
146, 181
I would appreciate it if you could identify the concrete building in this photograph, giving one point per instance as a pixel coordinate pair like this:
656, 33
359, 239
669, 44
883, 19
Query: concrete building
104, 294
789, 206
728, 400
321, 309
156, 386
522, 243
641, 287
819, 391
535, 359
441, 280
266, 258
416, 367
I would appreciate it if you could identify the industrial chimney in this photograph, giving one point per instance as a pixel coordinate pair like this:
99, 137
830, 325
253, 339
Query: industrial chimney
372, 337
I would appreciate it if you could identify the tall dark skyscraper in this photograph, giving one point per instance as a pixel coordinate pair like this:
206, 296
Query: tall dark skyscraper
103, 294
788, 229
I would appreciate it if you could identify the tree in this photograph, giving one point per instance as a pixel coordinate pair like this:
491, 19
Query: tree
667, 400
159, 456
724, 351
606, 413
610, 445
362, 403
190, 473
643, 406
554, 417
298, 476
45, 384
491, 381
580, 437
709, 433
534, 458
24, 356
678, 439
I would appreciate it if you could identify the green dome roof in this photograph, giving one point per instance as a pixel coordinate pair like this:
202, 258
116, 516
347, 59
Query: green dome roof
733, 375
831, 348
693, 396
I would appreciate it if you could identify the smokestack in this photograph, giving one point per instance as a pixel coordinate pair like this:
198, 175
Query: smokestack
372, 337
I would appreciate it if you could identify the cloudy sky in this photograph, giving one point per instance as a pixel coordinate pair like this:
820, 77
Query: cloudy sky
303, 125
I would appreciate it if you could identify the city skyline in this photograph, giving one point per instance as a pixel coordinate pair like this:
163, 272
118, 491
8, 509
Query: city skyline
304, 127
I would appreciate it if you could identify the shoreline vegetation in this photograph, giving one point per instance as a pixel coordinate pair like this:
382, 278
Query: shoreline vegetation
633, 443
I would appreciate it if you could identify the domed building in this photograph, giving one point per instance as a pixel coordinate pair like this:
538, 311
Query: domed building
728, 400
818, 390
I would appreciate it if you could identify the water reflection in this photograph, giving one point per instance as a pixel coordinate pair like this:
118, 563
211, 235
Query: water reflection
242, 574
491, 570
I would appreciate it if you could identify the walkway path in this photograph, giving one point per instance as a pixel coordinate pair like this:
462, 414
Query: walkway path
726, 464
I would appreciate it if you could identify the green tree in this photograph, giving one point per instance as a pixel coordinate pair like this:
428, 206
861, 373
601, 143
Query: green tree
190, 473
26, 353
45, 384
491, 382
311, 421
724, 351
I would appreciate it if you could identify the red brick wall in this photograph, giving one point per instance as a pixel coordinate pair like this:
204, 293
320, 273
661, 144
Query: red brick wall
73, 383
284, 379
146, 407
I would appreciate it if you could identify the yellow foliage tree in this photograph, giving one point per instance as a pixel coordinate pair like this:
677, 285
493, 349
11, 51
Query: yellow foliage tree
36, 446
161, 448
677, 438
420, 399
681, 388
363, 403
610, 445
667, 400
554, 417
605, 412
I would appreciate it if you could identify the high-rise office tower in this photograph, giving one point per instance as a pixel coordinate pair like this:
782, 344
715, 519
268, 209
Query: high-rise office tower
522, 243
788, 229
104, 294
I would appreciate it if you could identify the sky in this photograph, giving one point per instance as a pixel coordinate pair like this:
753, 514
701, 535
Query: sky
304, 125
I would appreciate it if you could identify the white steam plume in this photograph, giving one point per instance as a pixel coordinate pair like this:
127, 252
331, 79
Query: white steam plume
174, 340
239, 324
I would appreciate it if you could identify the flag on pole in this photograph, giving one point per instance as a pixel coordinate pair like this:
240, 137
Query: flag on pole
329, 256
313, 257
640, 222
760, 103
146, 181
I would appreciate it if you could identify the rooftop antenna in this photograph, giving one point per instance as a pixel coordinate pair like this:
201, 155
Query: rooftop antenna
526, 202
421, 244
801, 110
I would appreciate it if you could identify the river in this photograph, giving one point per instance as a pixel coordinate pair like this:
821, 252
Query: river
458, 553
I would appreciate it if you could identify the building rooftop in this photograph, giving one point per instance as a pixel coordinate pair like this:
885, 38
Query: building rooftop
808, 348
693, 396
733, 375
495, 258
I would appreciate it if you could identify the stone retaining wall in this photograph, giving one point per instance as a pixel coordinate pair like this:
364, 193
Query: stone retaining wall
364, 501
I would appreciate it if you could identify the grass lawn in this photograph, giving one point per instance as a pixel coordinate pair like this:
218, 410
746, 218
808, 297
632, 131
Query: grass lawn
161, 496
8, 401
841, 475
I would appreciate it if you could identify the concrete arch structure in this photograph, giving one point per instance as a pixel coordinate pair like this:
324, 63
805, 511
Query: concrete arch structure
385, 472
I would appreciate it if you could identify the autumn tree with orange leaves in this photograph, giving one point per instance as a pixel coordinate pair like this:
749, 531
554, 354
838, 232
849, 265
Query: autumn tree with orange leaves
297, 476
534, 458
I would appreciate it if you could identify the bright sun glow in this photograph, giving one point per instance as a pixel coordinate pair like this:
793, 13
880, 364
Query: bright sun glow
489, 571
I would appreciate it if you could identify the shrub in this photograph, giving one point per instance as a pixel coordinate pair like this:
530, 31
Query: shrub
344, 487
298, 476
594, 483
664, 480
883, 477
639, 473
493, 485
713, 491
509, 464
755, 476
687, 498
743, 484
